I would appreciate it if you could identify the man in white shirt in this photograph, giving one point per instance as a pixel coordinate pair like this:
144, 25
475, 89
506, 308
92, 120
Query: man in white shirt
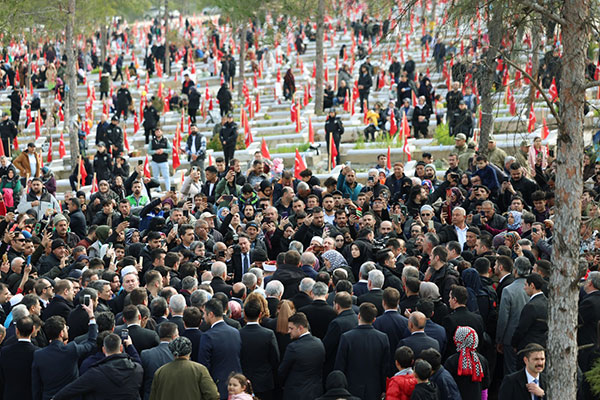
528, 382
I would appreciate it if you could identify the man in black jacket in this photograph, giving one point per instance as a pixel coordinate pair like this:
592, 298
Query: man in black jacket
219, 273
319, 313
461, 121
123, 101
518, 386
589, 310
114, 136
117, 375
290, 274
15, 363
193, 103
442, 274
228, 136
8, 131
460, 317
62, 302
259, 355
334, 126
103, 163
533, 322
142, 338
78, 224
151, 119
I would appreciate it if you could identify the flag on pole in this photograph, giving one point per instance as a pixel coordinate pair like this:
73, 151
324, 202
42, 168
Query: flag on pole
389, 158
311, 132
61, 146
82, 171
334, 151
393, 125
299, 165
176, 162
2, 149
125, 141
545, 130
553, 91
264, 150
49, 158
94, 184
147, 173
406, 149
532, 120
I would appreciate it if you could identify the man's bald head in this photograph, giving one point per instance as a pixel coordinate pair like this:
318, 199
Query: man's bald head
417, 321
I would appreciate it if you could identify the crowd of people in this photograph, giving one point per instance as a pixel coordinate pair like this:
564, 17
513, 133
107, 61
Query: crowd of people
256, 283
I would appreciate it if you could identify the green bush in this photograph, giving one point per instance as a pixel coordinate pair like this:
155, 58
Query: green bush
360, 143
215, 143
292, 148
442, 136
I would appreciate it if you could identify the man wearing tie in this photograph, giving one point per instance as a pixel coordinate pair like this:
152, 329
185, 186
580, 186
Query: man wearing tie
241, 261
528, 383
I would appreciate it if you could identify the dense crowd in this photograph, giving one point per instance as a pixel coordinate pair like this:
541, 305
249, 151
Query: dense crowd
256, 283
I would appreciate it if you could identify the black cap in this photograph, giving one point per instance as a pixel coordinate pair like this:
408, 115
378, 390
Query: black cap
114, 118
259, 255
56, 243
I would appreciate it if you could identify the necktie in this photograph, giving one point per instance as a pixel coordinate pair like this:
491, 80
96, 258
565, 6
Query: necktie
246, 263
534, 396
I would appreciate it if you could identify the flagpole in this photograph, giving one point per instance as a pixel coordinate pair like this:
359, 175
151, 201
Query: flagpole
330, 149
79, 174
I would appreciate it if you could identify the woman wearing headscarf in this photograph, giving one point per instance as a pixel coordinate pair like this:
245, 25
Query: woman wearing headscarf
337, 387
468, 368
359, 254
472, 282
332, 260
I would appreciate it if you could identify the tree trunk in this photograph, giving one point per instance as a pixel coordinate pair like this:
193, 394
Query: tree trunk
167, 51
71, 85
241, 61
564, 290
319, 62
433, 10
487, 77
103, 42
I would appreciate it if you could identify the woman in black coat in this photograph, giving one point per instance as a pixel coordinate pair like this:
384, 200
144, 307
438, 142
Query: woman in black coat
337, 387
335, 127
224, 97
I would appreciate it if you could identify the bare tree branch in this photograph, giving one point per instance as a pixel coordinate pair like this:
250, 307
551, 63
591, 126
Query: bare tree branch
592, 84
534, 83
544, 11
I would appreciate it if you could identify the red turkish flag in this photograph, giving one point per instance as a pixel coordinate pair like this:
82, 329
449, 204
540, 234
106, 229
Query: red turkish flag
389, 158
545, 130
94, 184
264, 150
1, 148
147, 168
553, 92
311, 132
299, 165
334, 151
393, 125
176, 162
532, 120
61, 146
82, 171
125, 141
406, 149
136, 125
49, 150
38, 125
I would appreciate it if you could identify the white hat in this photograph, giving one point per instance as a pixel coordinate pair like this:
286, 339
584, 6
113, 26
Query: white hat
130, 269
317, 239
269, 267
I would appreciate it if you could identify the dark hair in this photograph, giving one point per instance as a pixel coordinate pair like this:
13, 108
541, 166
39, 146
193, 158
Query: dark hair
531, 348
459, 293
413, 284
292, 257
54, 326
214, 306
535, 279
544, 265
433, 357
344, 285
538, 195
192, 317
505, 262
425, 306
167, 330
25, 326
422, 369
252, 310
391, 297
404, 356
112, 343
454, 246
299, 319
344, 299
367, 312
482, 265
441, 252
138, 296
105, 321
130, 313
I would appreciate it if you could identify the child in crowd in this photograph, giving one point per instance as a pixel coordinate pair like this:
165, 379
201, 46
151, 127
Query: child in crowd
239, 388
401, 385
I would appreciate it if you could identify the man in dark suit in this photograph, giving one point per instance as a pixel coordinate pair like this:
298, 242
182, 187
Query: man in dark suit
177, 306
241, 259
529, 381
301, 369
192, 318
78, 319
273, 291
503, 270
589, 310
394, 325
346, 320
220, 346
418, 339
156, 357
15, 363
46, 378
319, 313
289, 274
259, 355
302, 298
219, 273
533, 322
375, 294
361, 287
411, 288
142, 338
431, 328
363, 355
62, 302
460, 317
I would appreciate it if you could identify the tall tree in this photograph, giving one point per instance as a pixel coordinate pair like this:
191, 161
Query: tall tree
319, 54
71, 84
167, 50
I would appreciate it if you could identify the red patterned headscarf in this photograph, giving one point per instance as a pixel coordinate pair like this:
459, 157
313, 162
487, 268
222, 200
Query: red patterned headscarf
466, 341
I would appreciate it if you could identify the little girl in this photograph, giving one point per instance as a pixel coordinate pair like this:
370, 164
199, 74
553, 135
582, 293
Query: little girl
239, 388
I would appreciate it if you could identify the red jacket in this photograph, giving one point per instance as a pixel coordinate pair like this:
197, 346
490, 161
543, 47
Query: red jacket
400, 387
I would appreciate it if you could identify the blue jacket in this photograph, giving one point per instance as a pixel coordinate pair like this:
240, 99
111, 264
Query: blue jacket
343, 187
47, 379
219, 352
447, 387
488, 177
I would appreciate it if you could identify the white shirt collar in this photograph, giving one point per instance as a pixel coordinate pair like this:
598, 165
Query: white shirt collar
25, 340
304, 334
213, 325
252, 323
531, 298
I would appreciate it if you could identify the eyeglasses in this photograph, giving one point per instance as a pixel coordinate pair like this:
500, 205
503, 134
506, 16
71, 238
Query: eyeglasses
20, 240
426, 214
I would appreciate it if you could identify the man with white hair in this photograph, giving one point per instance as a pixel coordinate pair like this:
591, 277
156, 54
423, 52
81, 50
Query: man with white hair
375, 293
249, 280
457, 231
303, 297
177, 307
319, 313
219, 273
373, 184
361, 287
273, 292
258, 287
308, 261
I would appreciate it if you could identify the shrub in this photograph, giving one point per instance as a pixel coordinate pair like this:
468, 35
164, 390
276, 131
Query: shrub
442, 135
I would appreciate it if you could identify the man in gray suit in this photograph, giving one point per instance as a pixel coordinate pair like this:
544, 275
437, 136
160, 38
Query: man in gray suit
513, 300
156, 357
